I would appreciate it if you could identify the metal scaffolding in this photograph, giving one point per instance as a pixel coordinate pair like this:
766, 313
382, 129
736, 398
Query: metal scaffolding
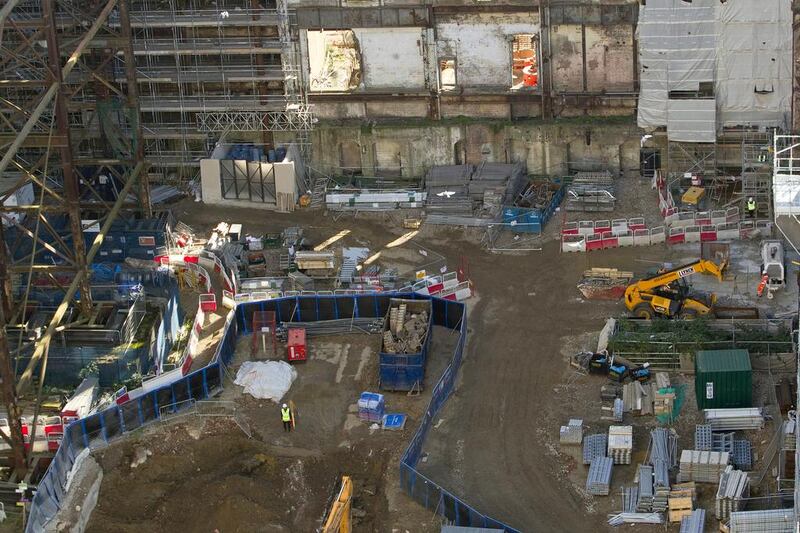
208, 69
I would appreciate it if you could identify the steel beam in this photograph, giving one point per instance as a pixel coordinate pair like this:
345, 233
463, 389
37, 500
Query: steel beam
69, 175
44, 342
53, 89
133, 103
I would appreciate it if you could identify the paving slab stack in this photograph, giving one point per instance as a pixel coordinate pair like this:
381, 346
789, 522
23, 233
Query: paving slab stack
594, 446
702, 466
598, 483
695, 522
743, 419
572, 433
620, 444
734, 486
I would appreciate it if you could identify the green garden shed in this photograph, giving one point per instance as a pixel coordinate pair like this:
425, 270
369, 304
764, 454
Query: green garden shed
723, 379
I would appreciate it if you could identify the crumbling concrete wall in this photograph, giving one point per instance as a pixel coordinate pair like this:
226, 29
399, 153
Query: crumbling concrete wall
546, 149
481, 45
593, 58
392, 58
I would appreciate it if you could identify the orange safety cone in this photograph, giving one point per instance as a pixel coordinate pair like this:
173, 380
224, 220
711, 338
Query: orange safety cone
762, 285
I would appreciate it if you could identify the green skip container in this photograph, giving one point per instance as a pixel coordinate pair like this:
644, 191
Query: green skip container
723, 379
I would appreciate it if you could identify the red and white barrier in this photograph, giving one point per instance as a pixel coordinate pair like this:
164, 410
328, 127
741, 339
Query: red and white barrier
572, 241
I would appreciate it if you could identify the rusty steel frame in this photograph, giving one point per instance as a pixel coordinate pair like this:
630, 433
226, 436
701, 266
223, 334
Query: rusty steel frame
40, 87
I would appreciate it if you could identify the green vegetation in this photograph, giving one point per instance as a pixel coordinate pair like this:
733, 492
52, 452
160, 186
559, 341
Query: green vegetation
689, 336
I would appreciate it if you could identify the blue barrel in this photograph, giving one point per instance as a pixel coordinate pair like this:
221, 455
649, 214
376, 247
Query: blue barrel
271, 156
280, 154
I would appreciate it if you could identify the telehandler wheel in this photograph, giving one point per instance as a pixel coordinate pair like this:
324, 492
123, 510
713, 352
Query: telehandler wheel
643, 311
687, 314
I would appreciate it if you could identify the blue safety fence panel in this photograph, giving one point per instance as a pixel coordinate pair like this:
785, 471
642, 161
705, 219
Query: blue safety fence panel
114, 422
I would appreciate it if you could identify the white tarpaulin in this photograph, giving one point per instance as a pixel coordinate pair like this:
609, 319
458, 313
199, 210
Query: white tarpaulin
741, 49
266, 379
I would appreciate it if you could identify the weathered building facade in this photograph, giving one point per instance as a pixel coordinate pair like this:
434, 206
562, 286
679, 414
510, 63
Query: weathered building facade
439, 82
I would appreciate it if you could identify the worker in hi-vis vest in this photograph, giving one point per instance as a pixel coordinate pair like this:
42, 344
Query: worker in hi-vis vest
751, 207
286, 417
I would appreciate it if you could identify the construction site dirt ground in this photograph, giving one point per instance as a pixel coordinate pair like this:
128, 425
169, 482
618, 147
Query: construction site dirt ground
493, 442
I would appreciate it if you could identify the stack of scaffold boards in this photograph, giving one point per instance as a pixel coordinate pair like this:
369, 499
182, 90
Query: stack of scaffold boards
734, 486
694, 522
572, 433
594, 446
620, 444
702, 466
750, 418
599, 481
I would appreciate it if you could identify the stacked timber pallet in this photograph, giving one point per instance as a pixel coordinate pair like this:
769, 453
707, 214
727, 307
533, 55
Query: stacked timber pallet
594, 446
572, 433
620, 444
734, 487
702, 466
664, 402
599, 481
750, 418
681, 501
694, 522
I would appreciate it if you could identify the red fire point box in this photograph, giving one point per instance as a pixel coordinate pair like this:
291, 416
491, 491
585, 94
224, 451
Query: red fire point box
296, 345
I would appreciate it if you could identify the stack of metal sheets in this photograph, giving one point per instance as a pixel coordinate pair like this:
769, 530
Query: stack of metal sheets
660, 485
645, 501
742, 455
572, 433
734, 419
734, 486
722, 442
702, 466
630, 499
618, 404
635, 518
703, 438
695, 522
663, 447
599, 481
594, 446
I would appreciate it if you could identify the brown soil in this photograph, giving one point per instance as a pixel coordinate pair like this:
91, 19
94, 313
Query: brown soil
495, 443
